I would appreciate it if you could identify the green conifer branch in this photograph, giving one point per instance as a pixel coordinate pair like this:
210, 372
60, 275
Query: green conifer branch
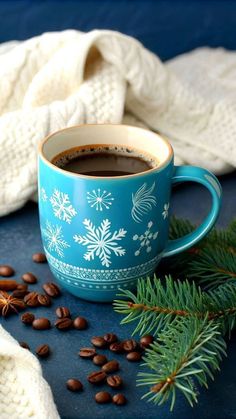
159, 302
189, 348
213, 267
212, 261
188, 318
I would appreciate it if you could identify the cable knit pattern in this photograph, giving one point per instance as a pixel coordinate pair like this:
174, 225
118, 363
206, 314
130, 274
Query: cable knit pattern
62, 79
23, 391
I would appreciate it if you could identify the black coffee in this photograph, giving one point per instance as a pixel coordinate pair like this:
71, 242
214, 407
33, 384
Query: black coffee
104, 161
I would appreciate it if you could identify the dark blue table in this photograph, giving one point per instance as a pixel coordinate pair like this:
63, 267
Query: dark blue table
20, 237
167, 27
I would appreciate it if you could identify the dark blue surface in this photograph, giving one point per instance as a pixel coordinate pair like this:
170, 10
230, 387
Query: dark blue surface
168, 28
20, 237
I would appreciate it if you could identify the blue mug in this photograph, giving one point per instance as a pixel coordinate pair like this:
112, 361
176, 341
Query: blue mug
103, 233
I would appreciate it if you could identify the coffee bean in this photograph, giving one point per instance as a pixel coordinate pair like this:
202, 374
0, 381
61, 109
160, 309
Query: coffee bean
110, 338
119, 399
114, 381
44, 300
88, 353
6, 270
43, 351
116, 347
111, 366
103, 397
134, 356
22, 287
63, 324
80, 323
129, 345
39, 258
29, 278
74, 385
146, 341
97, 377
19, 294
8, 284
24, 345
98, 342
41, 324
27, 318
62, 312
51, 289
31, 299
100, 360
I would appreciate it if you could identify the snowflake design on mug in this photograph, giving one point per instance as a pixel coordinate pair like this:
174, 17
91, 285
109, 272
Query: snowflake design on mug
99, 199
62, 207
54, 238
145, 240
143, 201
101, 242
166, 210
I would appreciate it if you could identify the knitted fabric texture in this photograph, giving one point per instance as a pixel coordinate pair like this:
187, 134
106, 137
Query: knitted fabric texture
23, 391
57, 80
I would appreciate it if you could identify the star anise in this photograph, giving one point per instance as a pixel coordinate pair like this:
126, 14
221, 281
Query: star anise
9, 304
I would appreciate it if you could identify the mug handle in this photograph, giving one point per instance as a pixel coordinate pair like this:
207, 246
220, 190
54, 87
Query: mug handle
206, 178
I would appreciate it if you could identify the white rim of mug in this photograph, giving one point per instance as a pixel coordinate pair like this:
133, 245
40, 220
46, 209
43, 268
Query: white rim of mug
160, 167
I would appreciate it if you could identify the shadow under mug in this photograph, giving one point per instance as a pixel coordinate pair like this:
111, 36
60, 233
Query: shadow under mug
103, 233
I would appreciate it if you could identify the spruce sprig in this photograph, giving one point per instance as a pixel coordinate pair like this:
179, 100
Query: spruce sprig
158, 302
189, 325
214, 266
188, 317
211, 262
188, 348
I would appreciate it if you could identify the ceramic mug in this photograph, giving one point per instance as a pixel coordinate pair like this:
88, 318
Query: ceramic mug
103, 233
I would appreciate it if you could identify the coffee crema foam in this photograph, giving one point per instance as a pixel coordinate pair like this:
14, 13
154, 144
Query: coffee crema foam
105, 160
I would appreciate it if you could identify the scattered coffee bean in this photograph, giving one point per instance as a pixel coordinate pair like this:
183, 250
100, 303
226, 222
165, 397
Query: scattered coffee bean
97, 377
134, 356
63, 324
80, 323
41, 324
43, 351
44, 300
116, 347
129, 345
110, 338
74, 385
8, 284
31, 299
62, 312
6, 270
103, 397
51, 289
39, 258
119, 399
88, 353
27, 318
19, 294
114, 381
29, 278
98, 342
24, 345
146, 341
111, 366
22, 287
99, 360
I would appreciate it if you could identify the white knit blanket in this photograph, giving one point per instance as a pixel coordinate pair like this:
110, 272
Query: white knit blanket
23, 391
61, 79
